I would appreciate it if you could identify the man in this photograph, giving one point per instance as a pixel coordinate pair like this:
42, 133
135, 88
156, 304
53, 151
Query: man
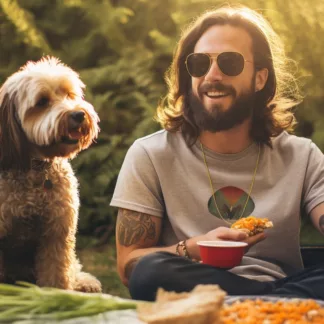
224, 154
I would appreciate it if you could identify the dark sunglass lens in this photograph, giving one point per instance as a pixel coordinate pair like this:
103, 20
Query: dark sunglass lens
198, 64
231, 63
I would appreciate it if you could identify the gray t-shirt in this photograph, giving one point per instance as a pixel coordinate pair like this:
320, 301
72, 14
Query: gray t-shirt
163, 177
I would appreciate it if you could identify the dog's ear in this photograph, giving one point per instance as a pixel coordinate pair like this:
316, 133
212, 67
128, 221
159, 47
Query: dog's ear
14, 153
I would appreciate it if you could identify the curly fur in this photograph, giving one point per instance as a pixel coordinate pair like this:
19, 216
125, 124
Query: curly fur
44, 122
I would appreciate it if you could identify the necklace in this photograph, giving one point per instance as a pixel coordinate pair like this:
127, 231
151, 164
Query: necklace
212, 188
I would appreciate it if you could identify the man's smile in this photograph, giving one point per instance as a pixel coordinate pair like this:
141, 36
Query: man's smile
216, 94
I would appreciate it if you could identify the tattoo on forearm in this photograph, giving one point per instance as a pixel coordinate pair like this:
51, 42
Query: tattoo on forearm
134, 227
321, 224
130, 265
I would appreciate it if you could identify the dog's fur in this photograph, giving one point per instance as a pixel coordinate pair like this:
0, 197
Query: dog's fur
44, 121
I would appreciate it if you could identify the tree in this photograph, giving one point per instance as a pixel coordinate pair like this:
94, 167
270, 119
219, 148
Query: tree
122, 48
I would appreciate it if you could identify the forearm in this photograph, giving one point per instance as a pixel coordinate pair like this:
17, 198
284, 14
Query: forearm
129, 263
321, 224
137, 235
191, 245
134, 256
139, 253
317, 216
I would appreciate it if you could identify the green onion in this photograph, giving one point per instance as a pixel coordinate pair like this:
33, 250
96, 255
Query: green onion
29, 302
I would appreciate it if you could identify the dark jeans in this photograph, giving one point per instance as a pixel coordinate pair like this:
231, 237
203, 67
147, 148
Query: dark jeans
174, 273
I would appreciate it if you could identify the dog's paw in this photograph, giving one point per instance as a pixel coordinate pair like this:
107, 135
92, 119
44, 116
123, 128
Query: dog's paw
85, 282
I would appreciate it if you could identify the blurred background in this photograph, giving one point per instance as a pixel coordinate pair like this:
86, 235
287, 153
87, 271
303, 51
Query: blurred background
122, 49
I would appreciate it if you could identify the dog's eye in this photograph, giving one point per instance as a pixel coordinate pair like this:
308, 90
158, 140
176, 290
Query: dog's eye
42, 102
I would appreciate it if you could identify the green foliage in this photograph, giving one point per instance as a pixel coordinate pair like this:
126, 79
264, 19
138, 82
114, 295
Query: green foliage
122, 48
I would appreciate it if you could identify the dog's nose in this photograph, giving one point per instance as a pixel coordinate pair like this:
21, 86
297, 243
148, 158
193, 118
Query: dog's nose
77, 116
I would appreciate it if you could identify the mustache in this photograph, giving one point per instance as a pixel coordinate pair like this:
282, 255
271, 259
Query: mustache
207, 86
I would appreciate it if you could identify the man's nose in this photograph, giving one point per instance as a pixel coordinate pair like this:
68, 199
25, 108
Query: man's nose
214, 73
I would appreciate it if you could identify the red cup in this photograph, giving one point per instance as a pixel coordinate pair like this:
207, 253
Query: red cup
222, 254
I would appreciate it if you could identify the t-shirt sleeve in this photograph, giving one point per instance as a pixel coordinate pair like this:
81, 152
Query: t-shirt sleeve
138, 187
313, 190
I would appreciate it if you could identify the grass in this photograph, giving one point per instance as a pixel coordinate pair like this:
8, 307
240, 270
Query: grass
101, 262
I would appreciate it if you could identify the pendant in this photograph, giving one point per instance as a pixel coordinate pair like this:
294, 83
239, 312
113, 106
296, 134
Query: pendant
48, 184
231, 208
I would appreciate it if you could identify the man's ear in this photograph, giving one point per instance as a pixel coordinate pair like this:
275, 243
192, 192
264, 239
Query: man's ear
261, 79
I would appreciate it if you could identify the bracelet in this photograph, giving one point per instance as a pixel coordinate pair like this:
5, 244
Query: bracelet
182, 244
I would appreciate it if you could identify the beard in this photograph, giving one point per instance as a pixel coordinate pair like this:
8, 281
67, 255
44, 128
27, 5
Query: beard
215, 119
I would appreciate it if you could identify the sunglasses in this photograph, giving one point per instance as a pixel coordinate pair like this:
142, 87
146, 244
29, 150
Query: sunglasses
230, 63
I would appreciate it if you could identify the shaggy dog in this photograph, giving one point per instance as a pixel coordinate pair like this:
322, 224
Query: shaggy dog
44, 121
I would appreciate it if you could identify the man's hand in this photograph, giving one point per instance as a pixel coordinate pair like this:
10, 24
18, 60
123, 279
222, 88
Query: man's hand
251, 240
222, 233
228, 234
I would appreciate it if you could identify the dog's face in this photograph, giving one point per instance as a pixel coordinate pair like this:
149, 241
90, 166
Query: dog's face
43, 113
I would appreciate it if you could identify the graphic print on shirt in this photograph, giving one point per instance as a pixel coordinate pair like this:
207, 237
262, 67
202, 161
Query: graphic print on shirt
230, 202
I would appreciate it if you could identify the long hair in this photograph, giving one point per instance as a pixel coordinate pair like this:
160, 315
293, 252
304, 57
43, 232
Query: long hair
273, 109
14, 147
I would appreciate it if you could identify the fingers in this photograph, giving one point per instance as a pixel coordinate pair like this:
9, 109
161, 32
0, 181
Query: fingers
255, 239
225, 233
229, 234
